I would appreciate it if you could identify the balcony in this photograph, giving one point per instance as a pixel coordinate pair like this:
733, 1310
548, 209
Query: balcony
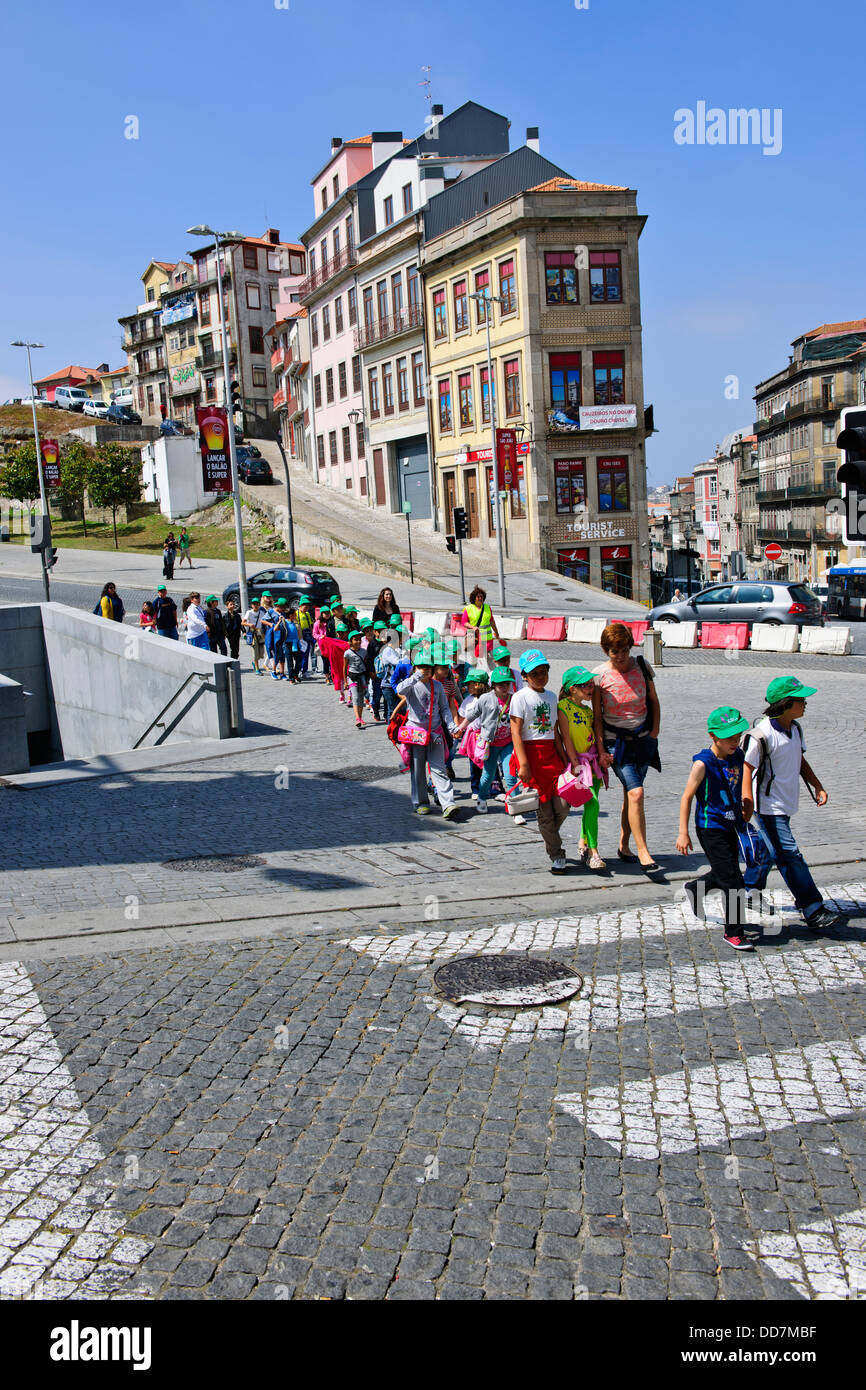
208, 360
392, 327
792, 534
815, 405
321, 276
149, 335
279, 398
211, 278
280, 357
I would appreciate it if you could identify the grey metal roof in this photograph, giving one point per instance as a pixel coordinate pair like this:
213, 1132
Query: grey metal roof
472, 196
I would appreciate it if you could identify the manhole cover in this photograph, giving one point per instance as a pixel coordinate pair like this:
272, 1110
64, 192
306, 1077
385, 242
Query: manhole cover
511, 980
218, 863
363, 773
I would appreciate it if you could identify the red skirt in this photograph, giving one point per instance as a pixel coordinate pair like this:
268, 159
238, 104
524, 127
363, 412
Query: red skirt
545, 765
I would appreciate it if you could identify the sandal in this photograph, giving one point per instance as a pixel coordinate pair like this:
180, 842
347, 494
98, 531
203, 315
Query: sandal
582, 851
627, 858
595, 860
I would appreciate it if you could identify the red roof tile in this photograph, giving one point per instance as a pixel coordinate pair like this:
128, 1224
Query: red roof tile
561, 185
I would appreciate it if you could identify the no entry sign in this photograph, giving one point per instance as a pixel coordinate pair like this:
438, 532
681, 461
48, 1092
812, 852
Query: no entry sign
773, 551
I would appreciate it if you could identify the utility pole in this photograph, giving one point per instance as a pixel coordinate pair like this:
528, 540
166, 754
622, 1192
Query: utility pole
45, 523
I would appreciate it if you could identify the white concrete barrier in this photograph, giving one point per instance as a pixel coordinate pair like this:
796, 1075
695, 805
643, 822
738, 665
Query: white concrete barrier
768, 638
511, 629
585, 630
679, 634
831, 641
440, 622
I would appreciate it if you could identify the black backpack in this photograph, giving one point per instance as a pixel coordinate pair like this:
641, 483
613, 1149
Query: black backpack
765, 763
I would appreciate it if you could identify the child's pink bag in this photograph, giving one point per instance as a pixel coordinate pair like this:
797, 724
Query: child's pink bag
575, 788
473, 747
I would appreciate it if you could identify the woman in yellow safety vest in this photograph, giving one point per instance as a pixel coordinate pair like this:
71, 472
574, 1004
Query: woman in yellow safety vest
478, 618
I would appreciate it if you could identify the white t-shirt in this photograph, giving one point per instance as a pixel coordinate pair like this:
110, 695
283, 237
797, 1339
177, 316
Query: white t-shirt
195, 621
786, 754
537, 709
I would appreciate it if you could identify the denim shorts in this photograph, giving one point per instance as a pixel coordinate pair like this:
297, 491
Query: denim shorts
631, 775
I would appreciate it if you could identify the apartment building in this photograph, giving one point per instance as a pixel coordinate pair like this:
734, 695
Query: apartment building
144, 343
746, 514
707, 530
290, 363
560, 258
797, 424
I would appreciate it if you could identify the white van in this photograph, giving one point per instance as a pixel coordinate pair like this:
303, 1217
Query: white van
123, 397
70, 398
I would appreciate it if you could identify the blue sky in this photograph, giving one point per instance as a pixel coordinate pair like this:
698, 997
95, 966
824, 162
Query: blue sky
237, 101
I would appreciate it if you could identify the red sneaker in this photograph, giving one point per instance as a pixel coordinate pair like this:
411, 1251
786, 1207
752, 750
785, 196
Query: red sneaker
739, 943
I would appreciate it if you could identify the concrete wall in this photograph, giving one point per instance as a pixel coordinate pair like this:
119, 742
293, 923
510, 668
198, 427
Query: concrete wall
22, 658
175, 463
14, 756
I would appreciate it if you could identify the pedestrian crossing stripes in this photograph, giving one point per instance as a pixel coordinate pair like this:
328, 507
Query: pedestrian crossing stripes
824, 1259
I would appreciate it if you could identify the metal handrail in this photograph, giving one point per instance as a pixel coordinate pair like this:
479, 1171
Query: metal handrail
202, 675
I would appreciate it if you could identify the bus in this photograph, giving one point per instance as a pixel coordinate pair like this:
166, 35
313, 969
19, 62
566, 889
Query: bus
847, 591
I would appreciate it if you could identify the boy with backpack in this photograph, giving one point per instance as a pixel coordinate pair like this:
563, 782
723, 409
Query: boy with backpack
774, 764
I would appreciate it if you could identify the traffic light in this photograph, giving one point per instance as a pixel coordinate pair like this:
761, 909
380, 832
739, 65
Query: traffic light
40, 532
451, 544
461, 524
51, 557
235, 397
851, 475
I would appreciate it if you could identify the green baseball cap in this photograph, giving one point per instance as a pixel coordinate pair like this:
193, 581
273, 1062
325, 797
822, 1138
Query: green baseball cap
341, 627
499, 653
726, 721
413, 642
422, 655
576, 675
380, 626
477, 674
355, 633
394, 627
281, 601
212, 598
501, 676
349, 608
788, 688
366, 622
305, 600
266, 593
160, 588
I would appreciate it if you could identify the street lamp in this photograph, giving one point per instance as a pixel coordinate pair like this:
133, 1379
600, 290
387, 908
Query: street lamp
688, 532
488, 300
203, 230
19, 342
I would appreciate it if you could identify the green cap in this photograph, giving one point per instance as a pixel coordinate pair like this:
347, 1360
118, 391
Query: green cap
366, 622
501, 675
160, 588
576, 675
380, 626
788, 688
305, 600
499, 653
266, 593
341, 627
355, 633
478, 673
280, 601
413, 642
349, 608
211, 598
422, 655
395, 627
726, 721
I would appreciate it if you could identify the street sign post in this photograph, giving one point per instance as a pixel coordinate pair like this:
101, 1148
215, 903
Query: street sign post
407, 508
773, 551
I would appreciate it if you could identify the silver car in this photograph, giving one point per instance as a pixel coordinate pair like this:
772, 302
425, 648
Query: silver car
771, 601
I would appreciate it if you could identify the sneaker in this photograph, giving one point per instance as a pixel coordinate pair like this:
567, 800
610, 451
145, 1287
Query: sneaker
502, 797
518, 820
422, 810
451, 812
559, 866
274, 676
824, 920
739, 943
694, 899
481, 807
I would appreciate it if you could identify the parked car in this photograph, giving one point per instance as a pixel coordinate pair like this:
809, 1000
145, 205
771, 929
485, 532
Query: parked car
70, 398
771, 601
174, 427
317, 585
97, 408
256, 471
41, 402
122, 415
821, 591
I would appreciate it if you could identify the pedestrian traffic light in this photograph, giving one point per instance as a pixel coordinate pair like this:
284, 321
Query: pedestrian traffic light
51, 557
451, 544
461, 524
235, 397
851, 475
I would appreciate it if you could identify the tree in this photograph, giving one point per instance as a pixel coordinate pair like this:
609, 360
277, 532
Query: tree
19, 476
74, 477
114, 479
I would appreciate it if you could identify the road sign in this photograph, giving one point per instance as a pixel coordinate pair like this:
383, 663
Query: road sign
407, 507
773, 551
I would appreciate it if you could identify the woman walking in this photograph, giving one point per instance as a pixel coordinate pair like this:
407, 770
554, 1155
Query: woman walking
478, 618
386, 608
110, 604
626, 724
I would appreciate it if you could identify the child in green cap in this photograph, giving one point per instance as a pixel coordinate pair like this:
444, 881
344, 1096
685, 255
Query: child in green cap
576, 718
493, 743
476, 684
716, 780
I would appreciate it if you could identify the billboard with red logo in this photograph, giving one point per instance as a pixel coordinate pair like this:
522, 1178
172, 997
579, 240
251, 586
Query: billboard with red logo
506, 459
50, 451
213, 429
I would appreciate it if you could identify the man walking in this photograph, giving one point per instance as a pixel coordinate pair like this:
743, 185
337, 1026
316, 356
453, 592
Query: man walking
169, 552
165, 611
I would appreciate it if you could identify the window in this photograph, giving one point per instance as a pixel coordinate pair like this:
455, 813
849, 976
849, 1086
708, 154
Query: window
507, 287
251, 257
323, 249
151, 295
296, 264
461, 307
570, 478
397, 294
257, 342
382, 300
485, 395
482, 286
273, 296
332, 446
616, 570
413, 287
402, 384
407, 197
201, 270
363, 485
356, 374
254, 298
418, 377
445, 405
338, 314
352, 299
613, 485
608, 373
204, 308
313, 262
605, 278
260, 376
754, 593
368, 308
314, 329
350, 232
714, 512
275, 261
336, 186
830, 476
359, 438
560, 277
387, 389
512, 388
336, 240
317, 391
373, 392
828, 432
324, 196
326, 322
720, 595
329, 385
341, 380
464, 398
389, 211
348, 482
564, 380
347, 444
209, 389
440, 315
713, 486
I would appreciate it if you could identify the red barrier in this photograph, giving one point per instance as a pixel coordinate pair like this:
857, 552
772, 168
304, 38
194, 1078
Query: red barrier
408, 621
637, 627
545, 629
458, 628
725, 636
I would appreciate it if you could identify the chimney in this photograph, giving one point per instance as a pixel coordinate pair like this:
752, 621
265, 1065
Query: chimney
273, 236
385, 144
438, 110
532, 137
336, 142
103, 367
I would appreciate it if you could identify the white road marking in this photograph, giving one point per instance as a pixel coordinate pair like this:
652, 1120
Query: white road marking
705, 1106
61, 1235
824, 1259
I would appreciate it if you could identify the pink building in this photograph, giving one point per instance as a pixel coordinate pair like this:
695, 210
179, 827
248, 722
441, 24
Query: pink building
706, 476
